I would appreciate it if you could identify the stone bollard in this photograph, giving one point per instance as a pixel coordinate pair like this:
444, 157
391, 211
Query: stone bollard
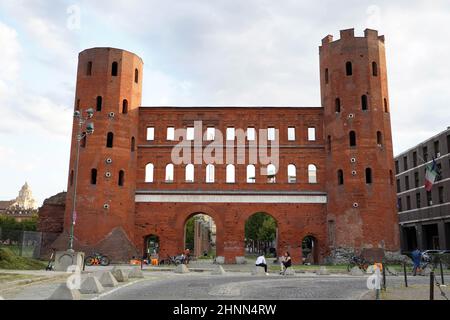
240, 260
181, 268
136, 272
218, 271
220, 260
91, 285
258, 271
108, 280
119, 274
323, 271
64, 293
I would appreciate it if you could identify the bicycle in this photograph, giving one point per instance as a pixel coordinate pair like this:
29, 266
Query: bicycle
97, 259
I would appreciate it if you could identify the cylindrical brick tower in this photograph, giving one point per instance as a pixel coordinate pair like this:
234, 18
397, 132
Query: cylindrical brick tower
360, 176
110, 82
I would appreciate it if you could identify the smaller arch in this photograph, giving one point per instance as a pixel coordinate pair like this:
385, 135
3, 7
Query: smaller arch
327, 76
210, 173
271, 173
71, 178
374, 69
77, 105
368, 176
110, 140
89, 68
312, 173
83, 140
364, 103
340, 177
170, 172
190, 173
99, 103
391, 177
151, 246
136, 75
348, 68
231, 173
121, 181
329, 143
149, 169
251, 173
379, 139
94, 176
115, 69
125, 106
337, 105
310, 250
133, 144
352, 138
386, 107
292, 173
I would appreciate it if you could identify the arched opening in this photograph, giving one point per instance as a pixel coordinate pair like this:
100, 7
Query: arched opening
71, 178
374, 69
329, 143
149, 168
292, 173
364, 103
89, 68
352, 138
115, 69
121, 181
170, 172
200, 236
310, 250
340, 177
83, 140
190, 171
338, 105
386, 107
151, 247
379, 139
312, 173
326, 76
136, 75
271, 174
231, 174
110, 140
369, 176
125, 106
261, 235
349, 68
210, 173
94, 176
251, 173
99, 103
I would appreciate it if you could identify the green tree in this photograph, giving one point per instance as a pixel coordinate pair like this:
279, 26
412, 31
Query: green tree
190, 229
268, 230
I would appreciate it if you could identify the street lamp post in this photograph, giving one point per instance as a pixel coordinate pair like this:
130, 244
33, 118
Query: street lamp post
80, 136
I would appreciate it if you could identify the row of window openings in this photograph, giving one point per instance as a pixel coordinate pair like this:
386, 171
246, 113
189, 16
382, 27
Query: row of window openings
230, 173
349, 70
94, 176
416, 179
114, 70
352, 139
419, 201
368, 175
230, 134
99, 105
109, 141
364, 104
437, 154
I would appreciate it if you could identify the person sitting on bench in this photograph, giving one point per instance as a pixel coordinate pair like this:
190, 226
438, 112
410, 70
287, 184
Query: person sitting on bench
261, 262
287, 262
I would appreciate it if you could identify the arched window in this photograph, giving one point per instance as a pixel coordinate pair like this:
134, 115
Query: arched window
94, 176
348, 68
231, 174
170, 172
77, 105
251, 173
133, 144
271, 173
374, 69
71, 178
99, 103
149, 168
391, 177
386, 107
364, 103
136, 75
368, 176
379, 138
340, 177
125, 106
115, 69
110, 140
352, 138
292, 173
210, 173
89, 68
83, 140
121, 178
326, 76
329, 143
190, 173
338, 105
312, 173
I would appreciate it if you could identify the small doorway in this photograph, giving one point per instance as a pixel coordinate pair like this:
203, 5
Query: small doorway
151, 247
310, 250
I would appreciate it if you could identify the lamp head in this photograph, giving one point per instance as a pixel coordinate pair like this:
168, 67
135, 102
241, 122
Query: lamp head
90, 113
77, 114
90, 128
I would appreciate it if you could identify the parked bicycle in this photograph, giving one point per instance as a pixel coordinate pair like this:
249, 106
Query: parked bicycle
175, 260
358, 261
97, 259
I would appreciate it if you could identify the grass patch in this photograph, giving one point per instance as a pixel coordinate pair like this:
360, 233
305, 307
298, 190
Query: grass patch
11, 261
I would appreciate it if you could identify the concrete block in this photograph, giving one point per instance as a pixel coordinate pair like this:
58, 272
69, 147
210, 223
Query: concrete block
220, 260
258, 271
108, 280
356, 271
218, 271
64, 293
65, 259
181, 268
323, 271
91, 285
120, 274
241, 260
136, 272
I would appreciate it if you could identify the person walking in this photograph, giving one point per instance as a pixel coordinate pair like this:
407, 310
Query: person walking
416, 258
261, 262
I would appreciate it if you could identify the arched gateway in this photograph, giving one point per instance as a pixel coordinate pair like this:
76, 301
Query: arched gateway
235, 161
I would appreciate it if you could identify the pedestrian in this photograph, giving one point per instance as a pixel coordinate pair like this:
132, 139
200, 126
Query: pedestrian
261, 262
187, 255
286, 262
416, 258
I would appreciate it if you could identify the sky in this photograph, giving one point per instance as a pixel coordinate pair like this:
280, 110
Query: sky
203, 52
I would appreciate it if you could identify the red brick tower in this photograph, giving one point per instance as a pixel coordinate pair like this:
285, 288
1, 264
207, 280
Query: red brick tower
109, 81
360, 180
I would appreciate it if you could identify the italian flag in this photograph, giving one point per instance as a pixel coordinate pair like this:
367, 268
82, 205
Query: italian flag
430, 175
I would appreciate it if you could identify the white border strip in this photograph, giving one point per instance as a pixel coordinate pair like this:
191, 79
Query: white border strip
186, 198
